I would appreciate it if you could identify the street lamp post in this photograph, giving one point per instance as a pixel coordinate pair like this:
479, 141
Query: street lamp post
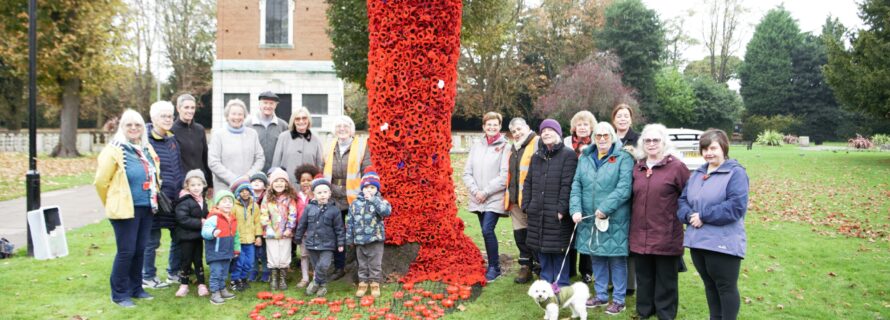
32, 178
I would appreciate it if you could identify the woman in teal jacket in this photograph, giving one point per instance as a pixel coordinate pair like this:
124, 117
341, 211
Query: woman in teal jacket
600, 204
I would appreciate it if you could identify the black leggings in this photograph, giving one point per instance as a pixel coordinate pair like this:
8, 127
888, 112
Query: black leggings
720, 273
191, 253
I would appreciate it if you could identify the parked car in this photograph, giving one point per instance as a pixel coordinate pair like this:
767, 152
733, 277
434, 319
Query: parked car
686, 142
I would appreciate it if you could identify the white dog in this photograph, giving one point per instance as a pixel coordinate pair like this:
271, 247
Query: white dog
573, 297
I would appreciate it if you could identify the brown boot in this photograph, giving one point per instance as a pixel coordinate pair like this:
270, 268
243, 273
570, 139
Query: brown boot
525, 274
362, 289
375, 289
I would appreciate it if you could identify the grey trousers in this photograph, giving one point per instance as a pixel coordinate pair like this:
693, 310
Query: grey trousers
321, 262
370, 261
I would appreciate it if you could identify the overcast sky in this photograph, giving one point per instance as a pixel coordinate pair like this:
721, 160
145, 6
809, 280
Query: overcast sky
810, 16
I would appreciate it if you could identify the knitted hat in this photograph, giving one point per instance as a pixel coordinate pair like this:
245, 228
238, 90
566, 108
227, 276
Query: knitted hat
278, 173
219, 195
268, 95
320, 180
196, 173
238, 182
370, 178
261, 176
552, 124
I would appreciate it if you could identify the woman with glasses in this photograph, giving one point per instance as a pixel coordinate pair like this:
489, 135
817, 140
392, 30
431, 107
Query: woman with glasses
600, 205
235, 149
656, 235
298, 145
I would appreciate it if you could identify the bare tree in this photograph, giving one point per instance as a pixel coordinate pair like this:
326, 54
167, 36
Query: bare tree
143, 20
188, 30
676, 38
721, 34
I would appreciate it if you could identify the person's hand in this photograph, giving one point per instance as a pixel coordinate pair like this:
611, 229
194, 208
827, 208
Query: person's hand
559, 215
695, 220
368, 194
287, 233
258, 242
340, 249
480, 196
600, 214
216, 233
576, 217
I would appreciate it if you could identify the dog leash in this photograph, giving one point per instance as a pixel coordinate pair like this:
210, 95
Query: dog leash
565, 257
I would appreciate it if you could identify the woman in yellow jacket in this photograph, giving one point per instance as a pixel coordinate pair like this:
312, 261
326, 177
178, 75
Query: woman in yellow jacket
127, 181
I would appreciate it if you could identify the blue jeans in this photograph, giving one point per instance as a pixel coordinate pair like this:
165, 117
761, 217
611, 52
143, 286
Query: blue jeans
602, 267
550, 266
260, 262
131, 236
489, 220
244, 263
173, 259
219, 270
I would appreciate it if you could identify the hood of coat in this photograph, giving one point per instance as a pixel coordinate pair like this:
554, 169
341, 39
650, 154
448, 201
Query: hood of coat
726, 167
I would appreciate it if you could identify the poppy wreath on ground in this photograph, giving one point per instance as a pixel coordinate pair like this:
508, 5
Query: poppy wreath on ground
412, 79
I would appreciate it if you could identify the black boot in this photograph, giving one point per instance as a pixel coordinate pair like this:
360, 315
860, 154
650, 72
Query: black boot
282, 279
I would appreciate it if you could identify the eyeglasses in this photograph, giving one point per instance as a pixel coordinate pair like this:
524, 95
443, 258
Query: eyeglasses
652, 141
605, 136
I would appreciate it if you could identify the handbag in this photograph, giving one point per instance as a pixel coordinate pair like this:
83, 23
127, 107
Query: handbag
165, 205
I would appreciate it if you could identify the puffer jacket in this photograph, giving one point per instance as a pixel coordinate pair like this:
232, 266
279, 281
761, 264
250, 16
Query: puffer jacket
225, 245
654, 227
364, 223
721, 199
188, 217
171, 172
273, 222
248, 215
486, 171
545, 194
608, 189
321, 227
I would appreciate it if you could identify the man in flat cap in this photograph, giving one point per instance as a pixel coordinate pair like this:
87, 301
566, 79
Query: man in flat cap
267, 125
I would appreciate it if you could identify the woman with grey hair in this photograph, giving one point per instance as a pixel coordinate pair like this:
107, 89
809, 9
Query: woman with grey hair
164, 143
345, 161
519, 158
235, 150
298, 145
600, 205
127, 181
656, 234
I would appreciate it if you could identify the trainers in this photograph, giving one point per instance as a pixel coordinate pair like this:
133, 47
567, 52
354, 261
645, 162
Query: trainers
312, 288
594, 303
323, 290
171, 279
303, 283
127, 303
202, 290
154, 284
143, 295
216, 298
183, 290
225, 294
615, 308
492, 274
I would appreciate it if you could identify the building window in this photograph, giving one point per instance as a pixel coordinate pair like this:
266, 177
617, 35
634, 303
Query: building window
245, 97
316, 103
276, 24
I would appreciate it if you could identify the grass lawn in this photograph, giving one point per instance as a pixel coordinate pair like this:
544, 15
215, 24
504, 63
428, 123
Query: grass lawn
55, 173
818, 248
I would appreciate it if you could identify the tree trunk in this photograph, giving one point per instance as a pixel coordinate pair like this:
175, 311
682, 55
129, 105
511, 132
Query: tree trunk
67, 147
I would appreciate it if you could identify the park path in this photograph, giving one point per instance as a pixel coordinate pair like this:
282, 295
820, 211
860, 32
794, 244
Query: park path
80, 206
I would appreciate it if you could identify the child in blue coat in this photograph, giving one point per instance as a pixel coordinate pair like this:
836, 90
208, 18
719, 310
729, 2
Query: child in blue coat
221, 244
365, 230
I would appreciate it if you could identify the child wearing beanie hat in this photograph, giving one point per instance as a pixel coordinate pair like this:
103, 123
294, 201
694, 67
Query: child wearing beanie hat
278, 217
321, 229
304, 174
191, 209
364, 229
259, 181
221, 244
247, 213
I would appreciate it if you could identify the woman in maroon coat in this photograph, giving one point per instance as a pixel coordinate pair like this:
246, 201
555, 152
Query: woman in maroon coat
656, 235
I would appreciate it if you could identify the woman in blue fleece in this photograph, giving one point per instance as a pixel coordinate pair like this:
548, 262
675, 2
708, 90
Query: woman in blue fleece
713, 205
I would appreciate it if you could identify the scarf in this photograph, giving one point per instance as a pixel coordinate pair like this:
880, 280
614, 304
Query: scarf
492, 139
578, 143
234, 130
199, 198
295, 134
142, 154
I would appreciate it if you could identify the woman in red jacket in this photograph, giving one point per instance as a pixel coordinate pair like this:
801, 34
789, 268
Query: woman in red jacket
656, 235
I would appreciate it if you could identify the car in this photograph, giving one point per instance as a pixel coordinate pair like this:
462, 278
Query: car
686, 143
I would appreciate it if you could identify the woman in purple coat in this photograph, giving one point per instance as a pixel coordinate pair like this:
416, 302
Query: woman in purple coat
656, 235
713, 205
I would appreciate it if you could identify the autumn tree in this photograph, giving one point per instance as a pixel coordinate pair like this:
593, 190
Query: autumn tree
188, 30
77, 42
677, 40
721, 35
12, 110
